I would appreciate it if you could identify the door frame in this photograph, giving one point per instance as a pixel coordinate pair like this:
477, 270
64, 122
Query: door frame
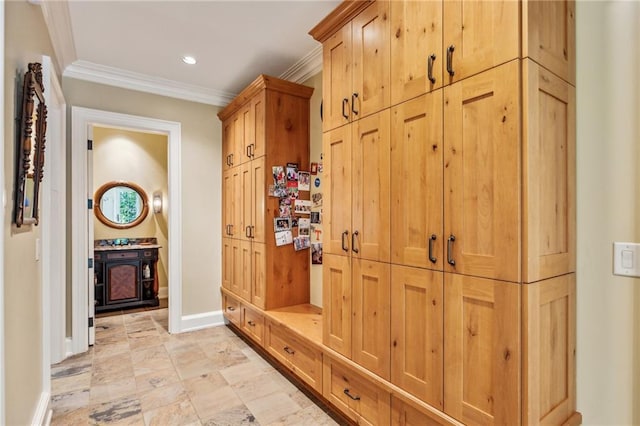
81, 119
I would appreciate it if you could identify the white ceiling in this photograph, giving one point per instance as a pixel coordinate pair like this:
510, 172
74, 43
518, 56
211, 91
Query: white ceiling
139, 44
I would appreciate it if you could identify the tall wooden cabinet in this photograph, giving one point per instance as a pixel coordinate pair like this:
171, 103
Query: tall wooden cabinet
479, 98
266, 125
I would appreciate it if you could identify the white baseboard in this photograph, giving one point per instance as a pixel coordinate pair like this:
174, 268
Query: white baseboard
163, 293
42, 416
200, 321
68, 348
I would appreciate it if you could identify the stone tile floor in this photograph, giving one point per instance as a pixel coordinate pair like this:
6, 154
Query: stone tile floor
138, 374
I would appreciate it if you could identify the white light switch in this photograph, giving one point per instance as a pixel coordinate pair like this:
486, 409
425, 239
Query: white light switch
625, 259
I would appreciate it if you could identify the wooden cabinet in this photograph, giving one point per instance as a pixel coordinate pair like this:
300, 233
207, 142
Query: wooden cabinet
253, 324
231, 309
404, 413
269, 121
356, 59
363, 401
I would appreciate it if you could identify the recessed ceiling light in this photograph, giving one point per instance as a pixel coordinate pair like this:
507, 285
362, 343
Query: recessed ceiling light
190, 60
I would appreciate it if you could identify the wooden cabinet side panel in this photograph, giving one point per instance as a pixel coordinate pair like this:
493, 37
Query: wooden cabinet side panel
482, 173
416, 182
336, 79
549, 239
549, 350
336, 148
336, 303
482, 350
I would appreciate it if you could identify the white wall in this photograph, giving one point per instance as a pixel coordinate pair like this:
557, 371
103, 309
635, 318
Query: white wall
607, 196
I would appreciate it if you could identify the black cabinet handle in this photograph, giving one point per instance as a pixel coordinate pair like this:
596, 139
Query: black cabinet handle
248, 151
247, 231
345, 247
345, 101
231, 308
430, 61
353, 242
354, 97
450, 50
355, 398
432, 239
251, 323
252, 235
289, 351
450, 241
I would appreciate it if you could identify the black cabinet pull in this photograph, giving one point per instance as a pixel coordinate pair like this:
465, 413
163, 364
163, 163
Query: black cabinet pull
345, 247
247, 231
430, 61
354, 97
345, 101
450, 241
251, 323
432, 239
289, 351
355, 398
231, 308
450, 50
353, 242
252, 234
248, 151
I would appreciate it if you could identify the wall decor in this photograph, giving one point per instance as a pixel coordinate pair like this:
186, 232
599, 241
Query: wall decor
120, 204
30, 147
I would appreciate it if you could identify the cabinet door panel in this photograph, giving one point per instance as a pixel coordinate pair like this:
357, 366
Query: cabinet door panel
371, 60
371, 317
336, 148
230, 200
236, 261
259, 274
228, 141
248, 132
482, 173
336, 303
258, 205
549, 175
245, 271
370, 188
416, 34
246, 202
227, 262
482, 350
416, 332
259, 127
336, 79
416, 182
484, 34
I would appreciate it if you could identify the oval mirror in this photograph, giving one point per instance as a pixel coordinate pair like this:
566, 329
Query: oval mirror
121, 204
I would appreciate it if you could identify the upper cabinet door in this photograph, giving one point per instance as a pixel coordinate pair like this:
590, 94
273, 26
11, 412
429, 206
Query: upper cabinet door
370, 192
371, 56
228, 142
482, 174
416, 48
258, 143
550, 36
336, 79
479, 35
336, 147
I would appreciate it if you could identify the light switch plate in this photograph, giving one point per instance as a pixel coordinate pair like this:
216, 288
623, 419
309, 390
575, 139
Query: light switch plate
626, 259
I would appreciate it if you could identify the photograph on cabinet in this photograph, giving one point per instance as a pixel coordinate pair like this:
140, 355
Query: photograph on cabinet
284, 238
303, 206
316, 253
281, 224
304, 226
304, 181
301, 242
292, 172
285, 207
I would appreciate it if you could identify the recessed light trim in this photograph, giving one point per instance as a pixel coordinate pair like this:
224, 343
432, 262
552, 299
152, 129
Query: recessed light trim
189, 60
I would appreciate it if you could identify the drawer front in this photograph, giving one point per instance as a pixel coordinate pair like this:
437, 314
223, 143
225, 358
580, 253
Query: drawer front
356, 396
122, 255
405, 414
277, 343
253, 324
150, 254
232, 310
307, 363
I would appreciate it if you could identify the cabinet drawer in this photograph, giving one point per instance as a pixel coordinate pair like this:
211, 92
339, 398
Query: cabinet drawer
406, 414
356, 396
122, 255
253, 324
232, 309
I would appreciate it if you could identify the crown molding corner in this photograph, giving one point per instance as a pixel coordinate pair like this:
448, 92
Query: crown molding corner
305, 68
58, 21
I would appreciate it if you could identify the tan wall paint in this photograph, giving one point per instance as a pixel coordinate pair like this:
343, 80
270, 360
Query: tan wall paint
201, 179
608, 48
140, 158
26, 40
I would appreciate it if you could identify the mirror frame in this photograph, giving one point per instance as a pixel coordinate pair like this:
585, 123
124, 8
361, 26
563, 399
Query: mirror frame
30, 139
105, 220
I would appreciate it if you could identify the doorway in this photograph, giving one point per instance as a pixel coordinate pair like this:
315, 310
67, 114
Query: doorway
83, 122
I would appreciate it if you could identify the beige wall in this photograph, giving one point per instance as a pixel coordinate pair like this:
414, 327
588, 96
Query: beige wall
26, 40
608, 137
201, 179
140, 158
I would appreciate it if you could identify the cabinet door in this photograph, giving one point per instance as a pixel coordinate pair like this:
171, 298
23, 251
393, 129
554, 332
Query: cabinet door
227, 262
228, 142
482, 347
258, 205
371, 316
550, 36
370, 188
336, 147
246, 202
258, 145
483, 33
232, 202
482, 174
416, 182
416, 44
336, 303
371, 60
259, 274
245, 272
236, 272
248, 132
549, 209
416, 332
336, 79
238, 156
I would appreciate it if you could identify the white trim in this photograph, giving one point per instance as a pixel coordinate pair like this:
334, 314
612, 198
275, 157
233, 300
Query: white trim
58, 21
305, 68
2, 219
81, 119
68, 347
102, 74
203, 320
41, 414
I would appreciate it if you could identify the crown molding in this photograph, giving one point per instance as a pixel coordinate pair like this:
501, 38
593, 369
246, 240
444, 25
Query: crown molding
96, 73
58, 21
305, 68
